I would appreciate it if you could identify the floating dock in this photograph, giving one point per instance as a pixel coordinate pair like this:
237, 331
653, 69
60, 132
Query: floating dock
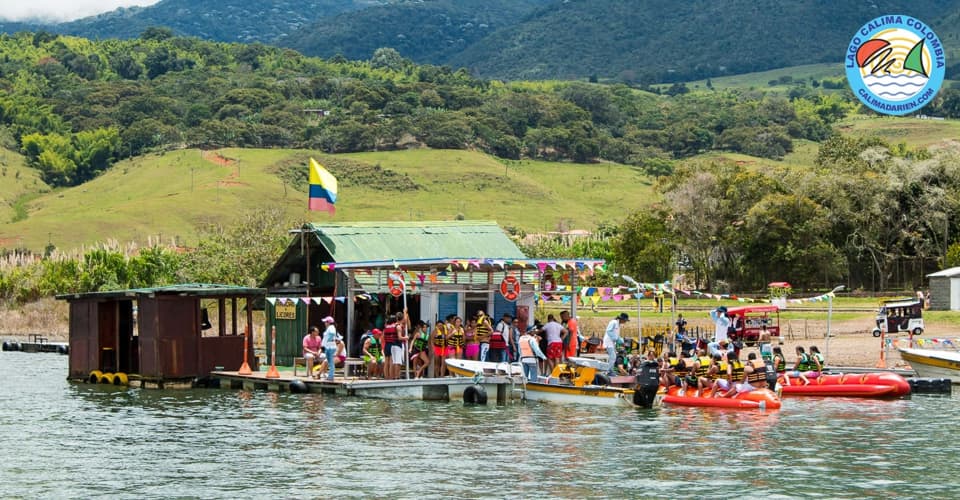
500, 389
38, 343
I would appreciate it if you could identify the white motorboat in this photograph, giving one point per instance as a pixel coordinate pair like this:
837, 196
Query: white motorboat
469, 368
933, 363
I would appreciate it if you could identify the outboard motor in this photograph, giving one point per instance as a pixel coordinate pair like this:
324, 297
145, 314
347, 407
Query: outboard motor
648, 382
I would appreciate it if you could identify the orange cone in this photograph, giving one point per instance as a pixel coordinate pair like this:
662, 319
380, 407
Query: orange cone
245, 367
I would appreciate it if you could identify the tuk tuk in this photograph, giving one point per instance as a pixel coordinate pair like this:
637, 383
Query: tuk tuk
901, 315
747, 322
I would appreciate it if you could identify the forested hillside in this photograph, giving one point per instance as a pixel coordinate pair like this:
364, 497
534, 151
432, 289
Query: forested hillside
74, 106
629, 41
861, 209
433, 32
664, 41
221, 20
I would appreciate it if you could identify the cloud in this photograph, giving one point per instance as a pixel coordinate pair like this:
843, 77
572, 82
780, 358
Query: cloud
61, 10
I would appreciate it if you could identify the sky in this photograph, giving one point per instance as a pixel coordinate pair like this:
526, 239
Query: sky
61, 10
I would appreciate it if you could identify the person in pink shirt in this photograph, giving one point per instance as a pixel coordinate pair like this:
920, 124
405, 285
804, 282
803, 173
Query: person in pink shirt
312, 349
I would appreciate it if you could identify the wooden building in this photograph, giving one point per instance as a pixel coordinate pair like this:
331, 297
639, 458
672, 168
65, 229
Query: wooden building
361, 271
159, 336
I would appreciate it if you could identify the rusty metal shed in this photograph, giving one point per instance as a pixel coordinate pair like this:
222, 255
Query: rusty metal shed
157, 335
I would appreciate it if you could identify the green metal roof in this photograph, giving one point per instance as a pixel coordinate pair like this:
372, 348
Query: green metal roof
195, 289
373, 241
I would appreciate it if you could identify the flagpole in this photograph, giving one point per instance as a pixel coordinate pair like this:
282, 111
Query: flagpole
406, 324
307, 242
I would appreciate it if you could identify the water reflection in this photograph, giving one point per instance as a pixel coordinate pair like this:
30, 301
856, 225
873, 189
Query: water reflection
73, 440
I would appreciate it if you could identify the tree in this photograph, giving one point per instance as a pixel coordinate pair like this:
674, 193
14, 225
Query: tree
240, 253
388, 58
643, 248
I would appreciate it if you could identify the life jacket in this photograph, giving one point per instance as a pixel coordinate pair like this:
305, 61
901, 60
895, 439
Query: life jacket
713, 371
526, 350
455, 337
483, 330
737, 369
703, 367
759, 373
374, 348
439, 335
497, 338
390, 334
804, 364
781, 365
421, 341
819, 357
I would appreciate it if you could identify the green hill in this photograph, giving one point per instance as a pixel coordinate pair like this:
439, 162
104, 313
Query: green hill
170, 195
233, 21
659, 40
634, 41
18, 185
426, 32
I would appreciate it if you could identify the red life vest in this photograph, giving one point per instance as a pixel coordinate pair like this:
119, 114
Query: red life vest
497, 341
390, 334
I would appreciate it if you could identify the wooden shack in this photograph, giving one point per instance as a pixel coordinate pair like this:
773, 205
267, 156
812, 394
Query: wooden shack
354, 272
160, 336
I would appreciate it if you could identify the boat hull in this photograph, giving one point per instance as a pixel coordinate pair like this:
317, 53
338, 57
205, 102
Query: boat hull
469, 368
587, 395
930, 363
760, 399
852, 385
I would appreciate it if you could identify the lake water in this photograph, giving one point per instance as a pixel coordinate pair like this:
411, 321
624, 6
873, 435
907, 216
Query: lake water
66, 440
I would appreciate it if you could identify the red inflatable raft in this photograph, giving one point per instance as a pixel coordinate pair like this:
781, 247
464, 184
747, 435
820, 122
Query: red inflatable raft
858, 385
758, 399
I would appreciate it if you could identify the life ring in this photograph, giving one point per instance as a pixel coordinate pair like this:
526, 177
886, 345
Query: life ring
475, 395
396, 287
510, 288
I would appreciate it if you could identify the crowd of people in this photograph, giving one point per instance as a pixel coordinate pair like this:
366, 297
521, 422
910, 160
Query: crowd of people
715, 366
386, 351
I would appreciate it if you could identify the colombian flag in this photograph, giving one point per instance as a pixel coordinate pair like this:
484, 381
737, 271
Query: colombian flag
323, 188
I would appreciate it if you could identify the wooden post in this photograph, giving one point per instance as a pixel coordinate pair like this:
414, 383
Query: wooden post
272, 372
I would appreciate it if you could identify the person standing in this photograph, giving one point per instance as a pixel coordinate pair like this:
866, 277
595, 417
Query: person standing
312, 347
554, 332
722, 322
514, 341
472, 349
610, 338
572, 339
330, 344
529, 354
439, 340
484, 330
500, 338
456, 339
420, 349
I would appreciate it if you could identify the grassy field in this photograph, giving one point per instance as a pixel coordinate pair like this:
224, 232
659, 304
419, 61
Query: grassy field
760, 80
169, 195
912, 131
18, 184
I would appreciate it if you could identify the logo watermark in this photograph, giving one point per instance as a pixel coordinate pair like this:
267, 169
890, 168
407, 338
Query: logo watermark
895, 64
